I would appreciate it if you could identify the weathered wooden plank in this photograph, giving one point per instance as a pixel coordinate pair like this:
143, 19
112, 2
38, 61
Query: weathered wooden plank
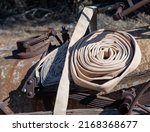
91, 111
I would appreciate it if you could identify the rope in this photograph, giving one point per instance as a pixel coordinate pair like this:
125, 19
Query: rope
101, 59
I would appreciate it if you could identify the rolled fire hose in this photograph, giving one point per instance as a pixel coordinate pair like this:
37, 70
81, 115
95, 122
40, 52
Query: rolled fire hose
101, 59
97, 61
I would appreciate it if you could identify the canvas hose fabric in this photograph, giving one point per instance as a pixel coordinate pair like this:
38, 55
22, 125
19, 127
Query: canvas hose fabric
97, 61
101, 59
62, 96
50, 67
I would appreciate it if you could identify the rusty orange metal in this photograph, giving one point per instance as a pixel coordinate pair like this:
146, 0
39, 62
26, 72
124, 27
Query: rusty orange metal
12, 74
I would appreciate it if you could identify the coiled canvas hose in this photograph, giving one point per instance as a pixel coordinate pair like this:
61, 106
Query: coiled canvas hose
101, 59
98, 61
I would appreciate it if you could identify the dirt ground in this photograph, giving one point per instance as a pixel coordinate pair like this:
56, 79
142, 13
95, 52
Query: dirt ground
13, 71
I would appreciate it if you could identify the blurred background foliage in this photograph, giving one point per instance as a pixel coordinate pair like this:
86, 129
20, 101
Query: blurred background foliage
47, 10
11, 7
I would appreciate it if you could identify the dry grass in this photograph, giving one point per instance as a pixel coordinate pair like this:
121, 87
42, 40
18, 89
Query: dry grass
105, 21
10, 34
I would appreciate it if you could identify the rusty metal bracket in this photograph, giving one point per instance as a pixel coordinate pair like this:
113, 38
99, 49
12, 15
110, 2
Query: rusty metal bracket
38, 39
29, 87
31, 83
35, 45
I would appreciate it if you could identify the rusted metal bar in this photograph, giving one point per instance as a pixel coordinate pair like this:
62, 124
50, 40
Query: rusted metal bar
20, 44
143, 107
121, 13
138, 13
108, 7
35, 40
58, 39
135, 7
37, 46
